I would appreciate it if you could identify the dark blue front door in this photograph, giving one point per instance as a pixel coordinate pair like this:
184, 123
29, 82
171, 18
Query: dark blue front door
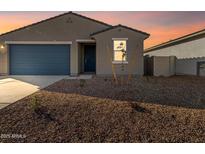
39, 59
89, 58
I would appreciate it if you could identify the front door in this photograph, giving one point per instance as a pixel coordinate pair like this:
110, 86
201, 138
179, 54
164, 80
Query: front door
89, 58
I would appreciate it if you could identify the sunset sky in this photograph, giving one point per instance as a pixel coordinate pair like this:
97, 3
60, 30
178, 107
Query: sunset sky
163, 26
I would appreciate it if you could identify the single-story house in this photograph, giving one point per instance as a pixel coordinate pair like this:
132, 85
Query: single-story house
189, 51
70, 44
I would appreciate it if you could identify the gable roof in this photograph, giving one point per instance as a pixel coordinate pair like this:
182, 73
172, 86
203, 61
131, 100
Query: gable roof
113, 27
179, 40
100, 22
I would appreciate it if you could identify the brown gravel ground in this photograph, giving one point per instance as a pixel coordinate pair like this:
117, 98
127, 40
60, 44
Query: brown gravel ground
149, 109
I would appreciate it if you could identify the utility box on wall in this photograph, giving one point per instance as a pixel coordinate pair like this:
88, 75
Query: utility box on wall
160, 65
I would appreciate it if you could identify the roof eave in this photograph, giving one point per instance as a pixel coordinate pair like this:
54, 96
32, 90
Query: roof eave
185, 37
70, 12
113, 27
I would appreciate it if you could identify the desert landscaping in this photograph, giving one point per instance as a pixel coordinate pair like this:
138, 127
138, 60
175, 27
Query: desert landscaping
147, 109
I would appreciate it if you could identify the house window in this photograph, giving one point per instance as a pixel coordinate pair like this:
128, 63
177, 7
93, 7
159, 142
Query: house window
120, 50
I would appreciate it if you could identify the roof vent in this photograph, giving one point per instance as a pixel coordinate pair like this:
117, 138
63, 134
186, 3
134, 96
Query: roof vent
69, 20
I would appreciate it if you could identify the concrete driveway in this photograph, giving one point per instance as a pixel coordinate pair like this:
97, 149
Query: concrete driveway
14, 88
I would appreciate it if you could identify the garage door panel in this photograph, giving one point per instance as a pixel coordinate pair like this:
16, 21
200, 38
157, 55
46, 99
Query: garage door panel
39, 59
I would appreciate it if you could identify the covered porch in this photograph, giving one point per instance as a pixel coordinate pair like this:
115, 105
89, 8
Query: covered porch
87, 56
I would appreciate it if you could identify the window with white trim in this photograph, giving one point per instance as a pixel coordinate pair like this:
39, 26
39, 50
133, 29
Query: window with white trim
120, 50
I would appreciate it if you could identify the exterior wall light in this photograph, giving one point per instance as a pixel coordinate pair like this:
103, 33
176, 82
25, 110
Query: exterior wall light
2, 47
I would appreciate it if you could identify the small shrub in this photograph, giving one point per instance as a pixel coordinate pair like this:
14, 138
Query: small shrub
200, 99
40, 110
82, 82
35, 104
139, 108
147, 78
173, 117
105, 79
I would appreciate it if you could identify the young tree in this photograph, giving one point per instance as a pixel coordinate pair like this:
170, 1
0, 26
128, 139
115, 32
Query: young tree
113, 66
123, 59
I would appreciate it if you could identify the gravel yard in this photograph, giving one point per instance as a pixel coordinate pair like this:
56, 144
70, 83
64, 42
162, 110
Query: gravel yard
148, 109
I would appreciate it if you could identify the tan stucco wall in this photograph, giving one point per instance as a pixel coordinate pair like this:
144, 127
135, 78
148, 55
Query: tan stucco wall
104, 52
192, 49
188, 54
187, 66
172, 62
164, 65
58, 29
81, 57
3, 60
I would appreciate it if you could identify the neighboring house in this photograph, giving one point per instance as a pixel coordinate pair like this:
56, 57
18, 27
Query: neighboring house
70, 44
189, 51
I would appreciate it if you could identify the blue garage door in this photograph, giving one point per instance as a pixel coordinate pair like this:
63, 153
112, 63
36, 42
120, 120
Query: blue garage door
39, 59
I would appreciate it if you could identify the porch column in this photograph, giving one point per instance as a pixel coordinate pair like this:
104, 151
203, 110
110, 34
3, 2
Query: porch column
4, 56
74, 59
